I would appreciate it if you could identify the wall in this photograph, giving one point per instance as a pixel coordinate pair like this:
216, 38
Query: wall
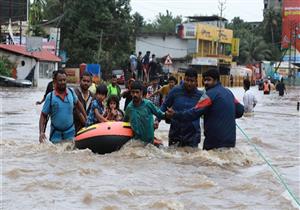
160, 46
22, 70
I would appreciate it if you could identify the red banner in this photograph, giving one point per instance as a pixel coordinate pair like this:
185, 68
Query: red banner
291, 24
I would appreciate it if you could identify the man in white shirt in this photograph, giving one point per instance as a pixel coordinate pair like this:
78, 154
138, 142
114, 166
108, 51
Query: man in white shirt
249, 98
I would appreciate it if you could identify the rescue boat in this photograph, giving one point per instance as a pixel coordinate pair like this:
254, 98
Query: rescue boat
104, 137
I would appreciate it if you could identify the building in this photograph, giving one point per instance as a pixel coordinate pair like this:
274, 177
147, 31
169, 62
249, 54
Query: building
39, 63
161, 45
201, 43
212, 43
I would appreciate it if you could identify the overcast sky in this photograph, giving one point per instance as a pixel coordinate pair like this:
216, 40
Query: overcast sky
248, 10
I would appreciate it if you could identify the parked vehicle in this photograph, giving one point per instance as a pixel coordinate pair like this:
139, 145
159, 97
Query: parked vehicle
120, 76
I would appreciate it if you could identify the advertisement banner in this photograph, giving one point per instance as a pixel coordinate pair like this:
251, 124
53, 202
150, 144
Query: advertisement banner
212, 33
291, 29
187, 31
205, 61
235, 48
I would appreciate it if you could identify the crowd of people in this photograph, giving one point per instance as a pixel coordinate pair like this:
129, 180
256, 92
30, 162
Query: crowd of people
179, 105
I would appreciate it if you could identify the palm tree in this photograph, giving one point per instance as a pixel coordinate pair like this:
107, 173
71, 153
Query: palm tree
253, 48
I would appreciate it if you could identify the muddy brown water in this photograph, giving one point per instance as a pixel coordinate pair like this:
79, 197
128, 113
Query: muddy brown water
47, 176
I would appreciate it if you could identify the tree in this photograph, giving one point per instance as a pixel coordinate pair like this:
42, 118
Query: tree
36, 17
252, 49
6, 66
93, 29
253, 45
163, 24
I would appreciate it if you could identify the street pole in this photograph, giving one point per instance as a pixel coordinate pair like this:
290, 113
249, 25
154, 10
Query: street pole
221, 9
290, 51
20, 32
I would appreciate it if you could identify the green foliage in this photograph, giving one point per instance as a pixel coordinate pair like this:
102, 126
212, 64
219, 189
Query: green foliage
163, 24
97, 31
6, 66
36, 16
260, 43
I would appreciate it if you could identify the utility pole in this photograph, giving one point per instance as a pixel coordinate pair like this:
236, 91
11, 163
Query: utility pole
20, 32
221, 9
100, 46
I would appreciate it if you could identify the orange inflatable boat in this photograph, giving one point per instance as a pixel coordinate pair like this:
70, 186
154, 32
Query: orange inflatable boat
104, 137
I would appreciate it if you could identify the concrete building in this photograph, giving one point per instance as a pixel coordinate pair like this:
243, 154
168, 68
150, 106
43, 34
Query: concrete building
213, 42
201, 43
43, 63
162, 45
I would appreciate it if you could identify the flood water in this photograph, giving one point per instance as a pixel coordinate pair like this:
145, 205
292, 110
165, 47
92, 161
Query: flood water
47, 176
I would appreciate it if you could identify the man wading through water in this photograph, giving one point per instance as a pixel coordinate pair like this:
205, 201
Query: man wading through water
85, 97
59, 104
220, 109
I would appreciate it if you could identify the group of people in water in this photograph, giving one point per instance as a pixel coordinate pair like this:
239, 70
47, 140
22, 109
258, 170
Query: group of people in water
179, 105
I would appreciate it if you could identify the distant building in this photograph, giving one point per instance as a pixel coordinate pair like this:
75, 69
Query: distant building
201, 43
213, 43
43, 63
161, 45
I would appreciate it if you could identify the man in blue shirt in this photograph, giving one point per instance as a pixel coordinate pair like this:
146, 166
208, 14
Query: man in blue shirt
59, 104
220, 109
181, 98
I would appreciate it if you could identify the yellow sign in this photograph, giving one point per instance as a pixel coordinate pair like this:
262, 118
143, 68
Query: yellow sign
235, 48
213, 33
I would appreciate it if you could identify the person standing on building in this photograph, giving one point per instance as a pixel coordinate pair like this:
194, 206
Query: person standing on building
280, 87
248, 98
59, 104
133, 64
220, 109
85, 97
113, 88
182, 98
139, 67
152, 67
145, 63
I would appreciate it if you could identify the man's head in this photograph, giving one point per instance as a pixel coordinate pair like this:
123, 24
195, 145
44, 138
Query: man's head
211, 78
54, 74
136, 92
172, 81
153, 56
130, 83
246, 84
148, 53
190, 80
154, 81
61, 80
101, 92
114, 80
140, 53
85, 81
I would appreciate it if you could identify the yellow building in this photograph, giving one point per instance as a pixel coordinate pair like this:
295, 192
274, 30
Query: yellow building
210, 43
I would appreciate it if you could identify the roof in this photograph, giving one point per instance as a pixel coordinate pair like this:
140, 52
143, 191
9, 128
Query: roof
205, 18
43, 55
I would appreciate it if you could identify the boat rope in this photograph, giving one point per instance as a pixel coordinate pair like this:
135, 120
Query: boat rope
271, 166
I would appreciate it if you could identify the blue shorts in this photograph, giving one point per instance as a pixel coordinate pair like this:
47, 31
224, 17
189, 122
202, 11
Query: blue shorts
57, 136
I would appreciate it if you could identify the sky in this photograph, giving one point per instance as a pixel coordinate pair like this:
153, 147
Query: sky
248, 10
